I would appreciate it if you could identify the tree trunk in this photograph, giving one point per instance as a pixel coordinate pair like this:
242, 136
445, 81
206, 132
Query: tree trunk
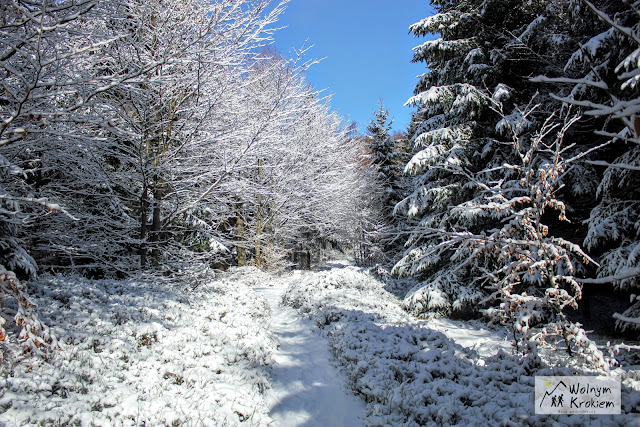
156, 224
240, 235
307, 260
259, 224
144, 207
307, 253
259, 232
271, 238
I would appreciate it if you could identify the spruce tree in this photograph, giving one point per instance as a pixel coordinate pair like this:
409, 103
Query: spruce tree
474, 69
493, 151
601, 81
384, 156
387, 154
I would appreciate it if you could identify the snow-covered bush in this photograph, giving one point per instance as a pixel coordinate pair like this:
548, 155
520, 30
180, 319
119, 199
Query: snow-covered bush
410, 373
529, 270
18, 308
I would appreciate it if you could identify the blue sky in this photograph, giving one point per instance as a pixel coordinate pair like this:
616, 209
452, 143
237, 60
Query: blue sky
367, 49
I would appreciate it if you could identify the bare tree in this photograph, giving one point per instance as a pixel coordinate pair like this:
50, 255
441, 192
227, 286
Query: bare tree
99, 103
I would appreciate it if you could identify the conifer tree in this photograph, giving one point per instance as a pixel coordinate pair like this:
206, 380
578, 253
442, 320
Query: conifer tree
488, 174
601, 81
383, 146
473, 67
386, 160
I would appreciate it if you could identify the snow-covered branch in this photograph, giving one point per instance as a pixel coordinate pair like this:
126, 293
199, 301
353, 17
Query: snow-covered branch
626, 274
625, 319
613, 165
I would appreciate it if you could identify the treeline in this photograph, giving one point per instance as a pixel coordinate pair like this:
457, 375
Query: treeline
522, 191
142, 135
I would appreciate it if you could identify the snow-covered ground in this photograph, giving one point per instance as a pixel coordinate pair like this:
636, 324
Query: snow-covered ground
430, 372
307, 390
138, 352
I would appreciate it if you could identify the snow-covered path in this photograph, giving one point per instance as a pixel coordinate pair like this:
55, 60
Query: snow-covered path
307, 390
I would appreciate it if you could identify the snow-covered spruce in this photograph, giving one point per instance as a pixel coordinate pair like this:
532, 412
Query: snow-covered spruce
412, 374
136, 352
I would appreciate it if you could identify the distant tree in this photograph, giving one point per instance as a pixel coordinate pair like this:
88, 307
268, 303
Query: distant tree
379, 242
382, 145
297, 185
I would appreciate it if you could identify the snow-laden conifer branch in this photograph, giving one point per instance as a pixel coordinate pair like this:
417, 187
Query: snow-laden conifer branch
623, 275
583, 81
613, 165
627, 31
627, 320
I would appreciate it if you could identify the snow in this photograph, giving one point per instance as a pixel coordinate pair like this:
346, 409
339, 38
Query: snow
533, 28
430, 372
590, 48
502, 93
319, 348
474, 335
138, 352
426, 156
307, 389
515, 123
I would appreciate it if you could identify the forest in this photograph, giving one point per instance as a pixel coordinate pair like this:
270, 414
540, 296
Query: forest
161, 160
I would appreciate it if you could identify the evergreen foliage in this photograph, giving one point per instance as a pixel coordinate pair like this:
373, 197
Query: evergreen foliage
494, 157
459, 135
604, 86
383, 147
386, 153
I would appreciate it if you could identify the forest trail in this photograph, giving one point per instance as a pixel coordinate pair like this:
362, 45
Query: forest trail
307, 390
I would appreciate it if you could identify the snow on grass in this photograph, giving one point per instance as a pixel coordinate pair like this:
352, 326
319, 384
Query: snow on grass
142, 353
411, 374
473, 334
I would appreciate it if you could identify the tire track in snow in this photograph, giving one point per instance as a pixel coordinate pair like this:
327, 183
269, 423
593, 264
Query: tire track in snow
307, 390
